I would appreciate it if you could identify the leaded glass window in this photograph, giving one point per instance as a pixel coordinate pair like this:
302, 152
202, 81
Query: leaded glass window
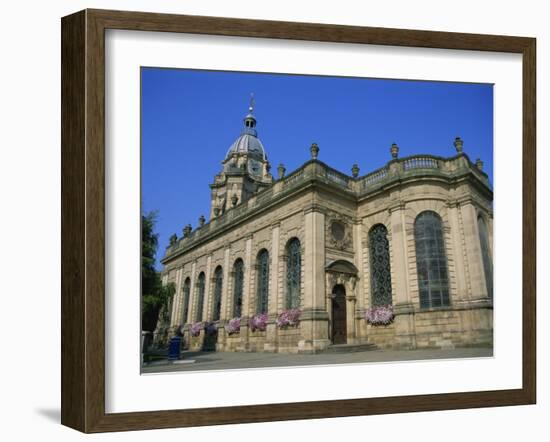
218, 281
380, 281
186, 295
238, 277
486, 255
431, 261
200, 296
293, 273
263, 281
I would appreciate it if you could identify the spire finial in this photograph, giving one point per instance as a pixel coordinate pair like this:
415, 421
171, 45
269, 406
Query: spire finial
252, 103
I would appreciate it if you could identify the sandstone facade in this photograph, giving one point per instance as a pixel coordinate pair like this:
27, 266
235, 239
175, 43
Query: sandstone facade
331, 215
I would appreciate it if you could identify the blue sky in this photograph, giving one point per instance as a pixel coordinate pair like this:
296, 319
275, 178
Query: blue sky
189, 118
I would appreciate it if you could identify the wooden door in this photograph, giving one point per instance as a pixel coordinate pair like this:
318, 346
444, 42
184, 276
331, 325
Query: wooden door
339, 329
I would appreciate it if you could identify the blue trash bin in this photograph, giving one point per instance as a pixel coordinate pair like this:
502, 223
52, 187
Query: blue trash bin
174, 348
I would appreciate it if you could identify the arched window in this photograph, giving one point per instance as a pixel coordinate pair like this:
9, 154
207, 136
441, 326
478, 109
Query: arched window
186, 295
238, 277
380, 274
486, 254
431, 261
293, 273
200, 296
262, 292
218, 282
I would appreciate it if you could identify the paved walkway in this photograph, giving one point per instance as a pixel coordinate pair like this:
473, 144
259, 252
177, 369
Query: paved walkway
238, 360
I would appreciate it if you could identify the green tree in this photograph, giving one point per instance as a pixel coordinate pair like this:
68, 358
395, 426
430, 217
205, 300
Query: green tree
154, 295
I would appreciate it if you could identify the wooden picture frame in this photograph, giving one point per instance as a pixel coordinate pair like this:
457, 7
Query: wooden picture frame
83, 220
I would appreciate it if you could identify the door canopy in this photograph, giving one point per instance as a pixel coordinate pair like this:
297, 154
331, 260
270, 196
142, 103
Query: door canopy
341, 266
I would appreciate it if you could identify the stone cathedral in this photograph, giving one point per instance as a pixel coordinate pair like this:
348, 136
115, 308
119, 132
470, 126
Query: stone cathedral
308, 260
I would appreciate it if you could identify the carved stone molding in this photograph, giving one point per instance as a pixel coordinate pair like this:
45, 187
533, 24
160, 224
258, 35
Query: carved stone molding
339, 232
347, 280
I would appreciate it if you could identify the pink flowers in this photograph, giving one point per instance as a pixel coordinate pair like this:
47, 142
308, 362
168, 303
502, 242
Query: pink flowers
289, 317
379, 315
195, 329
258, 322
233, 326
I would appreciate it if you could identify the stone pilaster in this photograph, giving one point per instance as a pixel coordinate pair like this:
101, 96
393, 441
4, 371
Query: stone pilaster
314, 331
247, 295
249, 264
176, 300
274, 294
402, 299
357, 238
462, 272
473, 251
192, 295
351, 301
207, 285
224, 314
400, 270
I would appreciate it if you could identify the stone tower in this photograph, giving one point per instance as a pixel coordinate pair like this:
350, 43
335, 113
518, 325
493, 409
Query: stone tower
245, 169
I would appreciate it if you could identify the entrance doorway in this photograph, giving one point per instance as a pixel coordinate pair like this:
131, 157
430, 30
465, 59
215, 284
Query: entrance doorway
339, 329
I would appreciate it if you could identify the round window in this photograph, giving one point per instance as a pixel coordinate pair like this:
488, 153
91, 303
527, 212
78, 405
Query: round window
338, 230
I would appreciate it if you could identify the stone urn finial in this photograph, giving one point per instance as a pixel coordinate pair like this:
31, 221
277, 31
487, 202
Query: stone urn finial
173, 239
458, 143
479, 164
187, 231
234, 199
314, 149
281, 170
394, 150
202, 220
355, 171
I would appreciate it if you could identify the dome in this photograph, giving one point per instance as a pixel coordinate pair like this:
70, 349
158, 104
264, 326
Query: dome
248, 142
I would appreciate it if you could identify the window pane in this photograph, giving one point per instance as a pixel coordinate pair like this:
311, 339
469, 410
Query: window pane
380, 266
218, 282
200, 300
238, 288
186, 295
263, 281
431, 261
294, 268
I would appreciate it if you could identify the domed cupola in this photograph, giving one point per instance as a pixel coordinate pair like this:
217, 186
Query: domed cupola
248, 142
245, 169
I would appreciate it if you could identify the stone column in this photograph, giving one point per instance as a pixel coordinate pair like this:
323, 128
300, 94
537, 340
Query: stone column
478, 289
271, 329
314, 321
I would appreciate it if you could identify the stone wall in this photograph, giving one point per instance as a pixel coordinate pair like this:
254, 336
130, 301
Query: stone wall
309, 215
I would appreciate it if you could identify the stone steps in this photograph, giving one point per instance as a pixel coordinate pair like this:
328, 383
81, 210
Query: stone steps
349, 348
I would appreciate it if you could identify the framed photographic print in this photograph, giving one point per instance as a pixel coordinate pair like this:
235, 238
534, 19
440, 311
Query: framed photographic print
269, 220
